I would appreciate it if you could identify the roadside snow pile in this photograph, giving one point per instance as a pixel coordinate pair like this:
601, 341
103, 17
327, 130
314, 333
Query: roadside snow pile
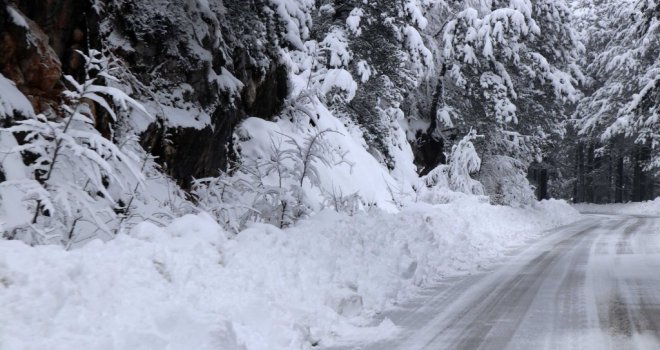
191, 285
637, 208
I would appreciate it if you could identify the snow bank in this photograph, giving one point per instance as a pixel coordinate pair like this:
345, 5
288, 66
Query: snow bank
192, 286
639, 208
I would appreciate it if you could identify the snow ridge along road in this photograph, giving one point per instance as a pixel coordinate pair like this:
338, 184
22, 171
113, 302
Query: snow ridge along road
594, 284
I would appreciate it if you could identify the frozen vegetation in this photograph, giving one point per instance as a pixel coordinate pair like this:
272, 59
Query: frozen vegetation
277, 174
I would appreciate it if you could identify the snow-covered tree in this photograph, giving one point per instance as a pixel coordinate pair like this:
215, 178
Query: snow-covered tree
463, 163
623, 90
363, 59
507, 68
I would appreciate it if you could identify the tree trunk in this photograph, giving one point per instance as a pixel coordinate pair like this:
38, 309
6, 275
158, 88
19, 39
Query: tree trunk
543, 184
639, 181
580, 173
610, 178
618, 197
590, 183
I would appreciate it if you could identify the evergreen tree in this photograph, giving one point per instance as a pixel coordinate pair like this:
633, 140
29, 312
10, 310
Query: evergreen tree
508, 70
619, 115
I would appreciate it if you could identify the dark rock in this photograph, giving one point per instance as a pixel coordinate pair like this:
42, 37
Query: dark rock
165, 45
29, 61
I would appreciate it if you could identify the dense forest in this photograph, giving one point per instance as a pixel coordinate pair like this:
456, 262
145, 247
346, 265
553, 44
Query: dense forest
120, 111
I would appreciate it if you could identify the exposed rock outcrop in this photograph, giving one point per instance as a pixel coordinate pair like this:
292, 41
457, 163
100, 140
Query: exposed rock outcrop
28, 59
174, 49
189, 45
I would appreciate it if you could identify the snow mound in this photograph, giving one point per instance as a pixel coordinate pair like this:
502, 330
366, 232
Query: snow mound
641, 208
192, 286
359, 172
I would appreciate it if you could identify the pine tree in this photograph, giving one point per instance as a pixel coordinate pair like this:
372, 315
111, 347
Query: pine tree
508, 70
619, 114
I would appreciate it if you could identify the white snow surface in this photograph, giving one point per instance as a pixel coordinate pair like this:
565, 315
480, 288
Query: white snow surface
191, 285
12, 100
17, 17
342, 80
361, 173
651, 208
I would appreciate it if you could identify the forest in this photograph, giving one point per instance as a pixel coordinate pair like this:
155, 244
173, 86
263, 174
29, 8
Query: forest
269, 111
148, 110
253, 120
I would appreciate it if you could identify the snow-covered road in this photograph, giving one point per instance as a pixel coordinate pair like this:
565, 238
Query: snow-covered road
594, 284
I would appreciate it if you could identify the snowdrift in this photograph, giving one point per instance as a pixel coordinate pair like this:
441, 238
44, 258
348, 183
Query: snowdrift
640, 208
192, 285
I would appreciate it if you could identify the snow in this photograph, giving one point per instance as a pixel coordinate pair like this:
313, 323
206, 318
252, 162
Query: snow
336, 44
651, 208
11, 165
413, 9
420, 54
185, 116
588, 285
444, 116
12, 100
188, 283
11, 161
296, 15
17, 17
353, 21
226, 81
364, 71
191, 285
463, 162
340, 79
359, 173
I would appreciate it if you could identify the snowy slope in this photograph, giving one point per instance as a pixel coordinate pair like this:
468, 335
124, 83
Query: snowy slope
191, 285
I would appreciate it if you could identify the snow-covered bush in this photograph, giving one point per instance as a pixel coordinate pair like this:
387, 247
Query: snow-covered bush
233, 199
272, 189
463, 162
343, 203
504, 179
71, 165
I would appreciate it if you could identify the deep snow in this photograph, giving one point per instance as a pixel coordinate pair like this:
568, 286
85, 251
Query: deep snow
651, 208
191, 285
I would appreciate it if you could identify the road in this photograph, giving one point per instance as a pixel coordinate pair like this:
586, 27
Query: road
591, 285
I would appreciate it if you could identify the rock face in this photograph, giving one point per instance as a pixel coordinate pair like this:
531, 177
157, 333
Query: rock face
172, 48
170, 45
28, 59
200, 66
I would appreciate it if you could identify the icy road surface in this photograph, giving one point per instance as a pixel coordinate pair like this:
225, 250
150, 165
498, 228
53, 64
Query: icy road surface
591, 285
